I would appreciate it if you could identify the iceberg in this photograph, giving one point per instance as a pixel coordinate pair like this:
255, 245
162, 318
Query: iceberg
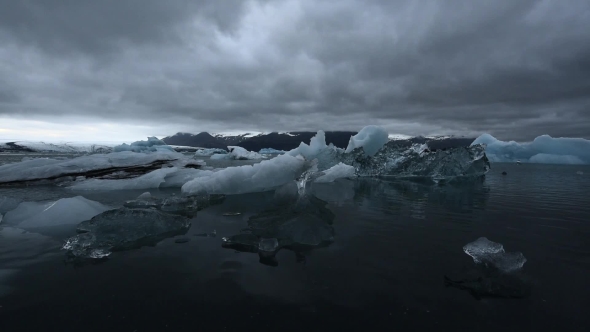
271, 151
116, 164
123, 229
338, 171
147, 181
65, 211
209, 152
370, 138
63, 147
263, 176
153, 144
492, 254
543, 149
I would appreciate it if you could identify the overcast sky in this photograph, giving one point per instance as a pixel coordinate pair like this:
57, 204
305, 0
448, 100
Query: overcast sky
126, 69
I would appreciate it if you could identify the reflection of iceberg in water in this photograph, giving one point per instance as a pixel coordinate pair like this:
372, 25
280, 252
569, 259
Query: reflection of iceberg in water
300, 225
388, 195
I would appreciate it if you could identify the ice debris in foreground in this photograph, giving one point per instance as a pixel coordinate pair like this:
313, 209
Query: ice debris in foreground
543, 149
65, 211
484, 251
187, 206
123, 229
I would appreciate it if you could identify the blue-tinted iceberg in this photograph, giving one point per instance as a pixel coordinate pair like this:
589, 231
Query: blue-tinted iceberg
543, 149
153, 144
370, 138
238, 153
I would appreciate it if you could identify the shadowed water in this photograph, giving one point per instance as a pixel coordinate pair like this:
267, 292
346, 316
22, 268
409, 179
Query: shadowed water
393, 243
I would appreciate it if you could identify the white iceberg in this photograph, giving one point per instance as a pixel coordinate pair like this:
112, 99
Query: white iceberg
265, 175
153, 144
96, 164
209, 152
370, 138
65, 211
543, 149
239, 153
338, 171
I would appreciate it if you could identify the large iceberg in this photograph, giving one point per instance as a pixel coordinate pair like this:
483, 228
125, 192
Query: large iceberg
121, 164
65, 211
543, 149
153, 144
123, 229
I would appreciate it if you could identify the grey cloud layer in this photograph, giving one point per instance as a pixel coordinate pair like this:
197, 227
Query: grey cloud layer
516, 69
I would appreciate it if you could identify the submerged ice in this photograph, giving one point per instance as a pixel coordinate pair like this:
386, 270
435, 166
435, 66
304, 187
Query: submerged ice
543, 149
123, 229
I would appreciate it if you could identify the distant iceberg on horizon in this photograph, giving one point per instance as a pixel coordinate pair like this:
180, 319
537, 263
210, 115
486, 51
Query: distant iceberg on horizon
542, 150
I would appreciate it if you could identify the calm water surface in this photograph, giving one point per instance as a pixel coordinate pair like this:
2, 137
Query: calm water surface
394, 241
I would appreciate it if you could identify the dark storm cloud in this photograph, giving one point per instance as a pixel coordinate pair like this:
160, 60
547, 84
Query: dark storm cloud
516, 69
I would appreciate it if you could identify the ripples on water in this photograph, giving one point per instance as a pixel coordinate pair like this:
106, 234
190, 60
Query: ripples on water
394, 241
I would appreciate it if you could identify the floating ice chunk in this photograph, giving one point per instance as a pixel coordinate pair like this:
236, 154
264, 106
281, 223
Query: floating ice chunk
270, 151
491, 253
481, 248
146, 181
123, 229
336, 172
370, 138
209, 152
239, 153
89, 166
543, 149
66, 211
8, 203
153, 144
263, 176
